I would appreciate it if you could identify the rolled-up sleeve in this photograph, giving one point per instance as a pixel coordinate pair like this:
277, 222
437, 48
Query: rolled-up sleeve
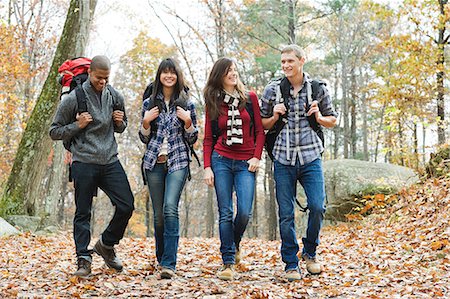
325, 104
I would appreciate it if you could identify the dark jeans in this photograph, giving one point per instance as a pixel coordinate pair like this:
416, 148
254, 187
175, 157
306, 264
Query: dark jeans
232, 175
110, 178
165, 191
311, 178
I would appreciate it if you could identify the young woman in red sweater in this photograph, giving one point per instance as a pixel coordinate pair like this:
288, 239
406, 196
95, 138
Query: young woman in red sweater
231, 161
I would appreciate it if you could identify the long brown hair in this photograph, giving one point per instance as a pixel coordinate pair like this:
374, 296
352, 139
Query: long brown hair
214, 88
171, 65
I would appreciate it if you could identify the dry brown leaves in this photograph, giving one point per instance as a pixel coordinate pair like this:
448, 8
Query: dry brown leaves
399, 252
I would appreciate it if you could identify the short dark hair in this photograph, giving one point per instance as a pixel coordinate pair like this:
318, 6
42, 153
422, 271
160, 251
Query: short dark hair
100, 62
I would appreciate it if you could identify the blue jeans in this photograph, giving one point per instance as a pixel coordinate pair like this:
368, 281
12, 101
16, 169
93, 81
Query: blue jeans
111, 178
311, 178
165, 191
232, 175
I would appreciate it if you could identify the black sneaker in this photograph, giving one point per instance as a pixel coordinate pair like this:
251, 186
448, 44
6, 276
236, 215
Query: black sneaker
108, 254
84, 268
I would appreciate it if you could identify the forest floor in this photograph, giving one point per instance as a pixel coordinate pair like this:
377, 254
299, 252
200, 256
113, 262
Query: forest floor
401, 250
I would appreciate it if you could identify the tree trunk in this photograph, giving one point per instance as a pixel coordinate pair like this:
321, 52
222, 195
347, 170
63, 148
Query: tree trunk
416, 147
336, 129
292, 21
210, 214
185, 231
440, 75
255, 212
24, 184
270, 204
148, 212
353, 136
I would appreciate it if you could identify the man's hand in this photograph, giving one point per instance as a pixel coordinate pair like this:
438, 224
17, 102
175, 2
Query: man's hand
184, 115
314, 109
253, 164
149, 116
278, 110
118, 117
84, 119
208, 176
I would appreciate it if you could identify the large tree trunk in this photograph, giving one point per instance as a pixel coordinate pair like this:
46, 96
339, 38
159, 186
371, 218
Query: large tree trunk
24, 187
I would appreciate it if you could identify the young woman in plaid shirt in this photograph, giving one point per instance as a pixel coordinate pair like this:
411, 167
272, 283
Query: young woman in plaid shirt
167, 128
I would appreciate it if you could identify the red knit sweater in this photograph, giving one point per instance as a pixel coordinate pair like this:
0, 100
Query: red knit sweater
251, 147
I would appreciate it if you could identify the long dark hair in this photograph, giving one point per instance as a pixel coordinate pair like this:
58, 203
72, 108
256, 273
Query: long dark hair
168, 64
213, 91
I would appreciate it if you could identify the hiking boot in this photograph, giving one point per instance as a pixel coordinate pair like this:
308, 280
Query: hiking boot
108, 254
84, 268
312, 265
167, 273
226, 273
293, 275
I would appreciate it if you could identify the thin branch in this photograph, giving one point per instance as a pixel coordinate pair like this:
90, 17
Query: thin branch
198, 34
262, 41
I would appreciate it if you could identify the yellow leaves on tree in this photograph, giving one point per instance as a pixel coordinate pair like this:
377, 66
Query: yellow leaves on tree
13, 69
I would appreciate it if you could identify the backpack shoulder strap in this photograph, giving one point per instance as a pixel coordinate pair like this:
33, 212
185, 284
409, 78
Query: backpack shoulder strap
115, 96
316, 86
285, 89
81, 99
249, 108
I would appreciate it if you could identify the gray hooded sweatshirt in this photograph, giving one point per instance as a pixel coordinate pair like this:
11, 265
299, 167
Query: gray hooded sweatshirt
95, 143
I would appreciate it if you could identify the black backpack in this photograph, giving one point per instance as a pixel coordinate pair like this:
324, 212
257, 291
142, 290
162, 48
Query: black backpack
154, 125
215, 124
273, 133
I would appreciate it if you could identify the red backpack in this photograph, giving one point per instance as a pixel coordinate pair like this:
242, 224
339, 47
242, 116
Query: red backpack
73, 72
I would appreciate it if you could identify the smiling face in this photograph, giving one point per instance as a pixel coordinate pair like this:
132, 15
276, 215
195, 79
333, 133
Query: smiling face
291, 65
168, 78
99, 78
230, 79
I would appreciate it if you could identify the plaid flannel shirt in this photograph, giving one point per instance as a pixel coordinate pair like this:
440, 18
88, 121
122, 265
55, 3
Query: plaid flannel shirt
304, 143
170, 127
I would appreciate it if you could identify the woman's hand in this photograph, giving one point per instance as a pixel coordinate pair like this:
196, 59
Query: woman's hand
184, 115
253, 164
149, 116
208, 176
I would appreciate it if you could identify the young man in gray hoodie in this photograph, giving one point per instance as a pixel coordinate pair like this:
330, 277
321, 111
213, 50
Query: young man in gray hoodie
95, 163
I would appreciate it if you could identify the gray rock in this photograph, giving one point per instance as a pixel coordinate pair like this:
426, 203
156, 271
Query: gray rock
24, 222
346, 179
7, 229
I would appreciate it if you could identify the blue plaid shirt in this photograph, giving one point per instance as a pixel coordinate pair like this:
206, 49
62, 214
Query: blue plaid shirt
304, 143
170, 127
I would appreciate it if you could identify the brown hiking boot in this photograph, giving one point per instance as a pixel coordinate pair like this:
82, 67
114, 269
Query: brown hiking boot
84, 268
312, 265
108, 254
293, 275
167, 273
226, 273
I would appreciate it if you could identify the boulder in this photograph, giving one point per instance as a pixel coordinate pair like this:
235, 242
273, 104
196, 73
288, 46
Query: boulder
25, 222
347, 179
7, 229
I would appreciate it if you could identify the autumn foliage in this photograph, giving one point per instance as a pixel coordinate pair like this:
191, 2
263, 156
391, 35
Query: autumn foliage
401, 251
